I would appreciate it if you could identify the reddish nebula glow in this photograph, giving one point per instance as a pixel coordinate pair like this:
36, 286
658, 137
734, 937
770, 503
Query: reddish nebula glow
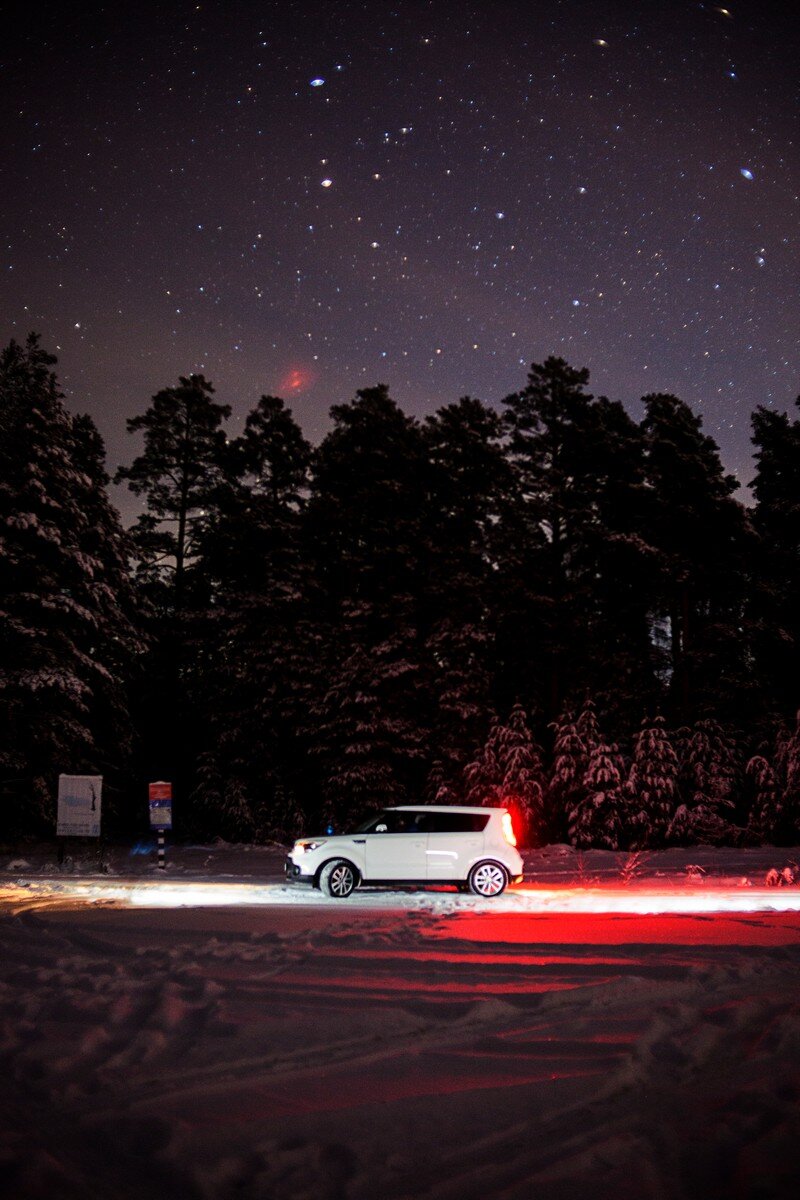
296, 379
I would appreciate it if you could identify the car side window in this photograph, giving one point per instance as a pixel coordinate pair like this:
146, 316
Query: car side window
445, 822
393, 822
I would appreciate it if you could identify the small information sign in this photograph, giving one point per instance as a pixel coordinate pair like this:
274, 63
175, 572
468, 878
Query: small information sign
79, 798
160, 805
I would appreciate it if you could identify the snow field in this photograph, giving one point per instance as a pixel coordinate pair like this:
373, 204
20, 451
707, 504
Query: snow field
405, 1045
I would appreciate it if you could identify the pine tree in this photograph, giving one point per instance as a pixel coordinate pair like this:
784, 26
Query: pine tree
470, 485
565, 788
766, 811
615, 568
364, 734
482, 774
275, 455
67, 615
438, 787
588, 728
178, 473
596, 819
549, 450
579, 468
652, 786
702, 536
790, 771
776, 561
457, 670
366, 528
522, 770
509, 772
367, 516
709, 785
260, 664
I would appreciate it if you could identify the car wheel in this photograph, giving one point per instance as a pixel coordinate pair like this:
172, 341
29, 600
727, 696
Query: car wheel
487, 879
338, 878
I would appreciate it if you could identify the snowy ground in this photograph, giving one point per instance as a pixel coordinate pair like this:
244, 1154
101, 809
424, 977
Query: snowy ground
607, 1029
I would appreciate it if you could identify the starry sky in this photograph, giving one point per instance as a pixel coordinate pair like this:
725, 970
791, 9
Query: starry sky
304, 199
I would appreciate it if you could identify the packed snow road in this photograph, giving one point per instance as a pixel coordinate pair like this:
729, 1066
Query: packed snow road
396, 1045
642, 899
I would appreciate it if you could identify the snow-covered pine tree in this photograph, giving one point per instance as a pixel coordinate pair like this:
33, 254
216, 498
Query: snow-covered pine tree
509, 771
565, 786
710, 777
588, 728
596, 819
652, 786
67, 623
766, 810
438, 789
482, 774
522, 785
790, 763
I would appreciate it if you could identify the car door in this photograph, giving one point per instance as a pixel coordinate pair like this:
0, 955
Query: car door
454, 843
396, 848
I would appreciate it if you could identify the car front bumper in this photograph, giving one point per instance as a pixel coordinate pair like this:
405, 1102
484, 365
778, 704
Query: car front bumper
294, 874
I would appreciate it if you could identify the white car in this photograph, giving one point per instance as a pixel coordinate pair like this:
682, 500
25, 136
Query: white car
473, 848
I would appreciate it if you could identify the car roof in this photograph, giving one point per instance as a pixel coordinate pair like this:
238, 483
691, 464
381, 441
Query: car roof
446, 808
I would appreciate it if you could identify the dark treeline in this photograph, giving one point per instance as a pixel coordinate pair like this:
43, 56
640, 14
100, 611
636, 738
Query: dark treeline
543, 603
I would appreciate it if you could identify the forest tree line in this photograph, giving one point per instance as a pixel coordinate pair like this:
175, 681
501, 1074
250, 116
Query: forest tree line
542, 602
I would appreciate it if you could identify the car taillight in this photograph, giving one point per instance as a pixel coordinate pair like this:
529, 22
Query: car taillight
508, 829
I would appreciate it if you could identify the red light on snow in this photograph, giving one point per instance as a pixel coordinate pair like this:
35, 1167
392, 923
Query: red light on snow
508, 829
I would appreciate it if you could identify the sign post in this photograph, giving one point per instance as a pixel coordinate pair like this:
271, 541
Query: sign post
160, 798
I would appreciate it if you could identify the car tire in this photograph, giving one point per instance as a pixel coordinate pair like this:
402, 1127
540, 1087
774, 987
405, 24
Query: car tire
487, 879
338, 878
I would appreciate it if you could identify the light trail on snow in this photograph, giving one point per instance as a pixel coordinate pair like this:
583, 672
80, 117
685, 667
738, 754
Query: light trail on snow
634, 900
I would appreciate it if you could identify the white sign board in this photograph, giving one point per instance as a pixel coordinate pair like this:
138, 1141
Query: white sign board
79, 805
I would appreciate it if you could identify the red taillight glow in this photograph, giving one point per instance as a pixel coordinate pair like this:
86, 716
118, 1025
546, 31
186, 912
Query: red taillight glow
508, 829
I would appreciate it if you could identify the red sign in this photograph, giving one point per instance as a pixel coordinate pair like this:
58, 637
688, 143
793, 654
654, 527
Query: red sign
160, 792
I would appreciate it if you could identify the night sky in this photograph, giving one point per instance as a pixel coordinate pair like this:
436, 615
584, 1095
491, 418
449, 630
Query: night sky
306, 199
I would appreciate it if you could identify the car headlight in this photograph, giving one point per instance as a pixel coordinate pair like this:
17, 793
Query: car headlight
304, 847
